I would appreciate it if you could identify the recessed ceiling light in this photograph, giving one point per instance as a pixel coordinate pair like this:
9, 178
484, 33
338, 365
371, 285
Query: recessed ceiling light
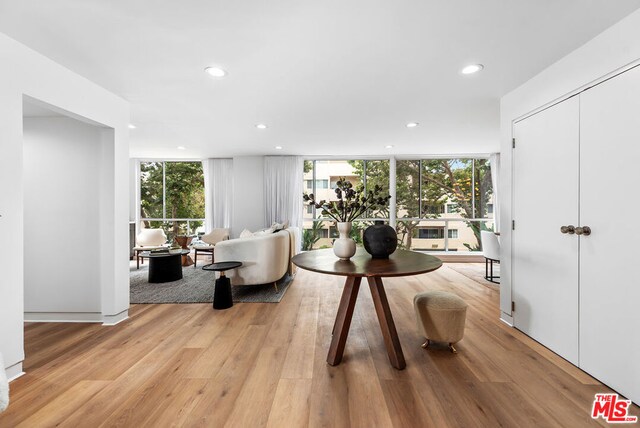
182, 148
216, 71
473, 68
261, 126
388, 146
412, 124
278, 147
132, 126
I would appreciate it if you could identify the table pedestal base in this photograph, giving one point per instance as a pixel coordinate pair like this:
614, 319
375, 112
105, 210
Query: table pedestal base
222, 298
345, 313
187, 260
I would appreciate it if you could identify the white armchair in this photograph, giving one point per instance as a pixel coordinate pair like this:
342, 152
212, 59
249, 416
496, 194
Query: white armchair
210, 240
491, 252
265, 258
148, 239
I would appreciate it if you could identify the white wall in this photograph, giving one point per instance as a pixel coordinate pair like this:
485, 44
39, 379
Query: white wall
62, 163
133, 189
612, 50
248, 194
28, 73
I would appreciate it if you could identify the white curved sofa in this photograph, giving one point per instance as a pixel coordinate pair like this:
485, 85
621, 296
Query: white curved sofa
265, 258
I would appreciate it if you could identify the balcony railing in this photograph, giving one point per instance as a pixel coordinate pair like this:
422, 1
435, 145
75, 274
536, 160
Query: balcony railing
465, 233
187, 226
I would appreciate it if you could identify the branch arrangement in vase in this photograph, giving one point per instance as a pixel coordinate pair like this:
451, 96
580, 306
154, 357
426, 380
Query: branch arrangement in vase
352, 202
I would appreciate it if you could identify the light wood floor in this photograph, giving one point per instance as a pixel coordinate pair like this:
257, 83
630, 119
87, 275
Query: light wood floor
264, 365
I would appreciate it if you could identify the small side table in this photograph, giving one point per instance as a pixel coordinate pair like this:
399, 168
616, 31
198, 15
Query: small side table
164, 266
184, 242
222, 298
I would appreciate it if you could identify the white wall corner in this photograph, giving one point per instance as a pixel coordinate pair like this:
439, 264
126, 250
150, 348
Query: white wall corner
506, 318
40, 78
110, 320
14, 371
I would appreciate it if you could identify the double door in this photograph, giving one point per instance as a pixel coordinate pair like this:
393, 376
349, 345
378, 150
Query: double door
576, 246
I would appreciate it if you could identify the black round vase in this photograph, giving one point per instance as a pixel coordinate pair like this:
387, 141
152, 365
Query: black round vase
380, 240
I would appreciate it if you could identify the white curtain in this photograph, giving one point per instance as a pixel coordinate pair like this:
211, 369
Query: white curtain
218, 192
494, 163
283, 189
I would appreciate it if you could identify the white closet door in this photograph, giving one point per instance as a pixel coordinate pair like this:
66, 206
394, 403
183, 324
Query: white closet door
610, 256
545, 197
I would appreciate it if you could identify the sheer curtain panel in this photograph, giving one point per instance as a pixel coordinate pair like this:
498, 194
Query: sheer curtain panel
494, 162
218, 193
283, 189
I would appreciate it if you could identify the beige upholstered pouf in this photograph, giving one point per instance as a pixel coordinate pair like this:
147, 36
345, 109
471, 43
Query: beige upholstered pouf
440, 317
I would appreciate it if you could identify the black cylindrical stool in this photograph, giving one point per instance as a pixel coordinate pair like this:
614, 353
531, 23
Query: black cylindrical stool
222, 298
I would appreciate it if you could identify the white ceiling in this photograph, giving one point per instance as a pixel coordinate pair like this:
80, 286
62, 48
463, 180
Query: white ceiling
328, 77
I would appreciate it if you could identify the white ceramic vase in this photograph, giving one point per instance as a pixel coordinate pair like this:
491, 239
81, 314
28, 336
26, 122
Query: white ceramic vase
344, 247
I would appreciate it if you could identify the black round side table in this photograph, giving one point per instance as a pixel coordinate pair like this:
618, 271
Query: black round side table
164, 266
222, 298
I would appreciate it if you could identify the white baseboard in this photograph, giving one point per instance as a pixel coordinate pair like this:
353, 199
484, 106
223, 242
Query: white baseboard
63, 317
506, 318
109, 320
14, 371
76, 317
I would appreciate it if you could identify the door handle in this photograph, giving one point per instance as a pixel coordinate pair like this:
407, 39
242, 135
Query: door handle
584, 230
568, 229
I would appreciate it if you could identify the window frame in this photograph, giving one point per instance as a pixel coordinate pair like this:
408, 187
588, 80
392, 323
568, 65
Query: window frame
315, 180
393, 219
164, 218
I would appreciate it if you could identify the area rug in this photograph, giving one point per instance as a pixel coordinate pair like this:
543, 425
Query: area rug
196, 286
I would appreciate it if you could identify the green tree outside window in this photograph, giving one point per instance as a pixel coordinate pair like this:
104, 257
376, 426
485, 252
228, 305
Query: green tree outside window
183, 195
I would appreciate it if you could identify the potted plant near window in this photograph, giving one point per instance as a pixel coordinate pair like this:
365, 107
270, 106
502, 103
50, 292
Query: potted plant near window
350, 204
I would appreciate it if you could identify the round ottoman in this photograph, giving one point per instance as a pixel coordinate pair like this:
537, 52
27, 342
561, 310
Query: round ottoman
440, 317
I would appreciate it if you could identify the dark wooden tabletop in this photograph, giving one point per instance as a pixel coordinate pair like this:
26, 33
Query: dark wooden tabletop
150, 254
222, 266
400, 263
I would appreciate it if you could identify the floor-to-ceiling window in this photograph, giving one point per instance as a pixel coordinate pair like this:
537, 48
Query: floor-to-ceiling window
443, 204
172, 196
440, 205
320, 177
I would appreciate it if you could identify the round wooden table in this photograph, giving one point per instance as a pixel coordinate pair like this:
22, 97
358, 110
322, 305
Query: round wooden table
400, 263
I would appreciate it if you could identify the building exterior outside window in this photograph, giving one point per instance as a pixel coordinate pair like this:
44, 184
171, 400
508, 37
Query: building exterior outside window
442, 204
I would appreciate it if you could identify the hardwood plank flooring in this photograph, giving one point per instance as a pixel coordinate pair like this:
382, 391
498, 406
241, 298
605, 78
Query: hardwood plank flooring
264, 364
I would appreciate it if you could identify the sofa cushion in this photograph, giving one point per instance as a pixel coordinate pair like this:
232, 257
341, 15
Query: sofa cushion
246, 234
277, 227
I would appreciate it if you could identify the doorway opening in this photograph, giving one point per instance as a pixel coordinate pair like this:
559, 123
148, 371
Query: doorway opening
67, 163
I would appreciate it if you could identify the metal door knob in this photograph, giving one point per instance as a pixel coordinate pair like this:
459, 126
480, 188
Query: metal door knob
584, 230
568, 229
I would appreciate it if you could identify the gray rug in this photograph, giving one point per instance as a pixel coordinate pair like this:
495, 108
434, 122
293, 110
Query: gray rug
196, 286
